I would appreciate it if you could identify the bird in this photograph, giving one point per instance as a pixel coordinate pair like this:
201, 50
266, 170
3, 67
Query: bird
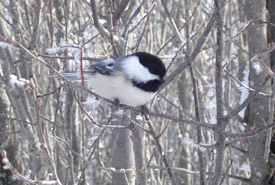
132, 80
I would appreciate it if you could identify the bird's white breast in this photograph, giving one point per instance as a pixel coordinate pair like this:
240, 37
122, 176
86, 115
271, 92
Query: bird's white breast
113, 87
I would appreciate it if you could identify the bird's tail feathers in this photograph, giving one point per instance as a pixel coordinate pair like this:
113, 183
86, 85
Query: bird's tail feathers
74, 76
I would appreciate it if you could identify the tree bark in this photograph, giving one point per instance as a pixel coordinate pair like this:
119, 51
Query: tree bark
138, 148
123, 160
257, 110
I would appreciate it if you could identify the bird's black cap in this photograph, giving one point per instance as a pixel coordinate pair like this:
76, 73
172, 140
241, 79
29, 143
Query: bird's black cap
152, 62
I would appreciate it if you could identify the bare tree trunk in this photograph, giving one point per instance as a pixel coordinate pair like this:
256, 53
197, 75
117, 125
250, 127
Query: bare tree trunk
6, 176
271, 31
138, 147
221, 124
71, 129
123, 160
257, 110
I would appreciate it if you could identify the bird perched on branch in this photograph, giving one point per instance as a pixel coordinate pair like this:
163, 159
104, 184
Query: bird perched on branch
133, 79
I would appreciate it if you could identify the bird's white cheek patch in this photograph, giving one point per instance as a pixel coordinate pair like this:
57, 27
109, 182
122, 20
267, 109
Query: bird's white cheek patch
135, 70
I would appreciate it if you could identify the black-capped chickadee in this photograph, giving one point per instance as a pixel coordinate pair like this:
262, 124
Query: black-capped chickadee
133, 79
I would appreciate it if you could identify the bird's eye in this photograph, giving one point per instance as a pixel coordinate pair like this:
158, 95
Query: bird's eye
110, 65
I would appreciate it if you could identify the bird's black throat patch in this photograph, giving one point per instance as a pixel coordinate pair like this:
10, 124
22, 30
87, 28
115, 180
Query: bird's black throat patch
150, 86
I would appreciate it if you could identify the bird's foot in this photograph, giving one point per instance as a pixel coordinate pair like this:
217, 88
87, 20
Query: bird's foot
144, 112
144, 109
115, 106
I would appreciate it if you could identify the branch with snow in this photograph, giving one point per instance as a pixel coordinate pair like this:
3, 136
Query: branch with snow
20, 82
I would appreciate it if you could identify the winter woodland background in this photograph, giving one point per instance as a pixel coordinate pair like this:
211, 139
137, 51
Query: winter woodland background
211, 124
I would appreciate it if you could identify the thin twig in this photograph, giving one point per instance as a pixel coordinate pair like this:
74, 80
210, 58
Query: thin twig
146, 23
163, 130
100, 28
176, 106
49, 93
146, 15
175, 169
171, 20
87, 12
90, 155
70, 57
6, 161
16, 119
174, 36
86, 112
249, 99
13, 132
244, 85
230, 39
226, 171
42, 137
56, 109
125, 32
195, 52
119, 11
250, 134
160, 148
195, 90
